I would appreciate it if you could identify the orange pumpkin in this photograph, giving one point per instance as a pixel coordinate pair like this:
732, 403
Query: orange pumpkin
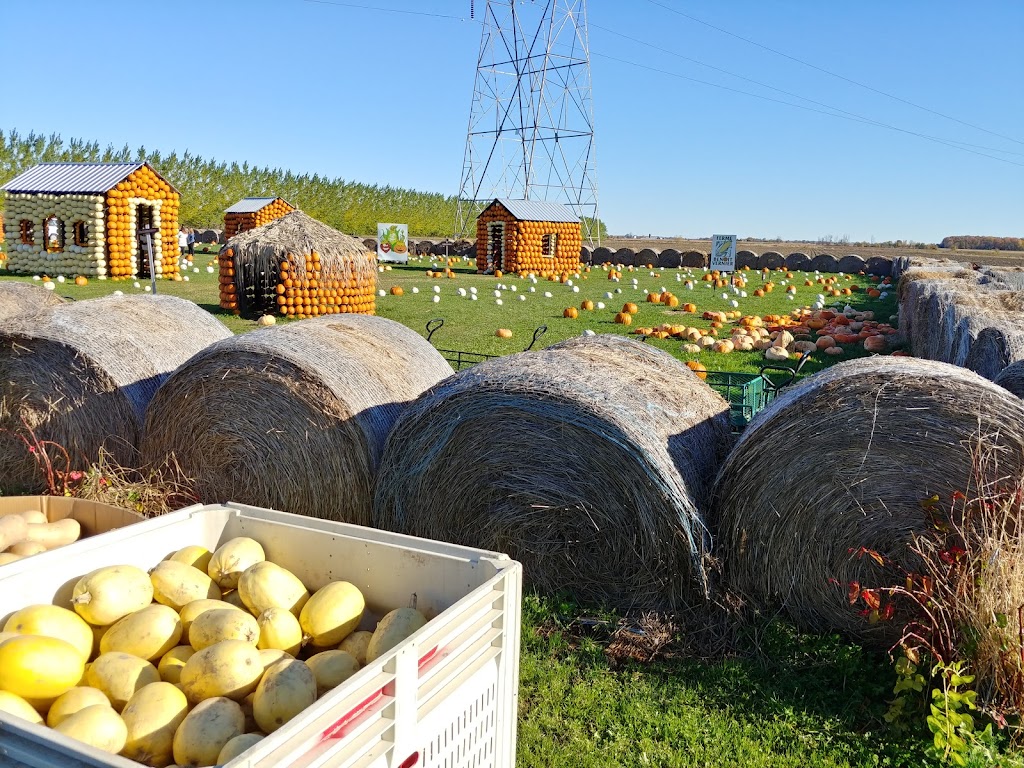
874, 343
570, 312
697, 368
503, 333
81, 280
624, 318
630, 308
587, 305
396, 290
653, 298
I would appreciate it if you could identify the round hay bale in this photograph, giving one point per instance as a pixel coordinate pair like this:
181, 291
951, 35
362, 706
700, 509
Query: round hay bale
1011, 378
864, 442
852, 264
695, 259
586, 255
669, 259
208, 236
82, 374
771, 260
21, 300
824, 262
798, 262
603, 255
588, 461
879, 265
746, 259
222, 237
647, 256
441, 248
422, 247
626, 257
371, 244
292, 417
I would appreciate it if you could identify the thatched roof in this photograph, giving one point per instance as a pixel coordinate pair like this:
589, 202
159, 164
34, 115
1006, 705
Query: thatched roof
300, 234
292, 417
18, 300
588, 461
83, 373
842, 461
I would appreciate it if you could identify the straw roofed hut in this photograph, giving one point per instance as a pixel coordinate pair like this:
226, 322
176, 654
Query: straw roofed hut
19, 300
82, 373
299, 267
588, 461
292, 417
864, 443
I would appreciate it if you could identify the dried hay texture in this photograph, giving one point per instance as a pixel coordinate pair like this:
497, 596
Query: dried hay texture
589, 461
82, 375
626, 257
798, 262
746, 259
693, 259
824, 262
1011, 378
21, 300
292, 417
863, 443
771, 260
851, 264
669, 259
1012, 276
879, 265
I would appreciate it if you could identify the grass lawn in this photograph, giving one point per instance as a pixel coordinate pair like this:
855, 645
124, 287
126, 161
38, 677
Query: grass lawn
785, 698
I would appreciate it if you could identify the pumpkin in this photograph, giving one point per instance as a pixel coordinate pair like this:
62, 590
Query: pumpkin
653, 298
81, 280
875, 343
497, 273
697, 368
630, 308
846, 338
396, 290
724, 347
624, 318
503, 333
570, 312
689, 307
587, 305
834, 351
824, 342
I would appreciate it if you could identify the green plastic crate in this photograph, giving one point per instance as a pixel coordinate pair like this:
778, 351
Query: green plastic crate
746, 393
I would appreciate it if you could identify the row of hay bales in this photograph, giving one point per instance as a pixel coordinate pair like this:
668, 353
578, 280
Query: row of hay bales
972, 318
604, 465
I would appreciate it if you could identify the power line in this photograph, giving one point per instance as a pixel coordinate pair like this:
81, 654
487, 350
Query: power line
790, 93
831, 73
852, 118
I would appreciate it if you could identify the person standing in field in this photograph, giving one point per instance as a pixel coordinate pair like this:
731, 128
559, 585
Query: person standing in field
182, 241
191, 240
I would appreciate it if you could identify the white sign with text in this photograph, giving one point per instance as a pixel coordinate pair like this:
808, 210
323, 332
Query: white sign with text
723, 253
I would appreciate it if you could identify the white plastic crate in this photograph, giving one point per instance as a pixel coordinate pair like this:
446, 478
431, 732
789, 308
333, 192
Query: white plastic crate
445, 698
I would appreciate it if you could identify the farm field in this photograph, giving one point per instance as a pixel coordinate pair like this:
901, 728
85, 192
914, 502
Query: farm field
779, 697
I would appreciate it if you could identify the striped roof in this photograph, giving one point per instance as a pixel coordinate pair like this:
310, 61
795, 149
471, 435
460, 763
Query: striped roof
252, 204
538, 210
72, 178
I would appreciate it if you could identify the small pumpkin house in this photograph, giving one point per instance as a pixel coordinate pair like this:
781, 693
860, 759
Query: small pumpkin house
251, 212
298, 267
527, 236
89, 219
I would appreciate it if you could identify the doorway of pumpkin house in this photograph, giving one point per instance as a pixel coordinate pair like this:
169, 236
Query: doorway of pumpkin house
144, 219
495, 246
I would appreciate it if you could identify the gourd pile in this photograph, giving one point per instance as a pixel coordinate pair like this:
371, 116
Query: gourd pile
192, 663
142, 188
240, 222
524, 245
27, 533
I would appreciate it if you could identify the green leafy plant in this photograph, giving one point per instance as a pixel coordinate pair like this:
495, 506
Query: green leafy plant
955, 735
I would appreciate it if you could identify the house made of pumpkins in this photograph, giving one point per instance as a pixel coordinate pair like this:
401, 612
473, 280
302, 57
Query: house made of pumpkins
91, 219
298, 267
251, 212
527, 236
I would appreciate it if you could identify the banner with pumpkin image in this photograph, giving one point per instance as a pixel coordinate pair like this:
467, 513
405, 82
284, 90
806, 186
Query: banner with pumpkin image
393, 242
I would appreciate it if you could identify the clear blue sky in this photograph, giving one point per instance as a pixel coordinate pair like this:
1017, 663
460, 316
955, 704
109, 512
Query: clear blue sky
384, 97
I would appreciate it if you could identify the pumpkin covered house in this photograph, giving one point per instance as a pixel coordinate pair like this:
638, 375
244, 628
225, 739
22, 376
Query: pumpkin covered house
91, 219
251, 212
299, 267
527, 236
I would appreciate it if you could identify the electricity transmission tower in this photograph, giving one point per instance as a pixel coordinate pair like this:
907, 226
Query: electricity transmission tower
531, 124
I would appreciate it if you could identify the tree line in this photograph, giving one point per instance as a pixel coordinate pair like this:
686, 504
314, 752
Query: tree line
207, 186
983, 243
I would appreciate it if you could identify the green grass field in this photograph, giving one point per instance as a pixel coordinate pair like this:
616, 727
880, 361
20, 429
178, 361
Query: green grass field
778, 698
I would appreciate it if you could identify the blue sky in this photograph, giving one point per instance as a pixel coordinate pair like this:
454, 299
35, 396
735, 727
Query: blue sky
384, 97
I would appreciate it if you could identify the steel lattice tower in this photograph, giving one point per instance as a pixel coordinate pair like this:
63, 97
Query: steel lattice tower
531, 125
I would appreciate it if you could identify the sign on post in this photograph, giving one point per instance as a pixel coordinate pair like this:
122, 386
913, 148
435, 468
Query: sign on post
723, 253
393, 242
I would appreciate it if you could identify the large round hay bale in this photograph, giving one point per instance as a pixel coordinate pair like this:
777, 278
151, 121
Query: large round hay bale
668, 259
292, 417
1011, 276
82, 374
693, 259
852, 264
626, 257
798, 262
22, 300
586, 255
771, 260
370, 244
647, 256
860, 446
824, 262
746, 259
422, 247
603, 255
1012, 378
879, 265
588, 461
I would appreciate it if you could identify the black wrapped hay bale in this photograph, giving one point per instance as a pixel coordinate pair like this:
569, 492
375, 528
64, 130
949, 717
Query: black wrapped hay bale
771, 260
798, 262
746, 259
693, 259
668, 259
588, 461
